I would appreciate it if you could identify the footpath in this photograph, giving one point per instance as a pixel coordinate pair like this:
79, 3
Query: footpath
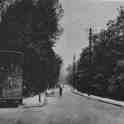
34, 102
105, 100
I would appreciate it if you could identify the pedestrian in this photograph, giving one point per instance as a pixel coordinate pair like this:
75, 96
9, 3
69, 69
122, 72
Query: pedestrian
60, 90
39, 96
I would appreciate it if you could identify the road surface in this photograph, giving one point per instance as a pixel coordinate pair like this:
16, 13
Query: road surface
68, 109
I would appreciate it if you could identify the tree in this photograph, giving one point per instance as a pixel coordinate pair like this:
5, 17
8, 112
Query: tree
107, 53
32, 27
69, 76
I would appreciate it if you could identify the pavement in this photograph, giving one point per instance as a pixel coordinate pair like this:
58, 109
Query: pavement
34, 101
70, 108
101, 99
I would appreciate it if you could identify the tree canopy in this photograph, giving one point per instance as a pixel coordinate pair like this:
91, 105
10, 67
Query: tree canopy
104, 76
32, 26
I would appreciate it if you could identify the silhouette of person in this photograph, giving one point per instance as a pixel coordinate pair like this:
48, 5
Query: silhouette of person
60, 90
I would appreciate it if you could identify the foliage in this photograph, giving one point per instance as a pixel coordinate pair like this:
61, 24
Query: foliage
32, 27
104, 76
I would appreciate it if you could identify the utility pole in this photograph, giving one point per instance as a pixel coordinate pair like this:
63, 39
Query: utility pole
74, 70
90, 58
90, 46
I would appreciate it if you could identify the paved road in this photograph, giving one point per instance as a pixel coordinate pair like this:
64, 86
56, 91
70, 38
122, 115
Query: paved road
68, 109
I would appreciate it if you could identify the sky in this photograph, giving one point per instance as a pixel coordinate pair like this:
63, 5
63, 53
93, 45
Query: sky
79, 15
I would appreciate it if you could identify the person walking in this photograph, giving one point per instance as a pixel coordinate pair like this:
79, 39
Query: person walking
60, 90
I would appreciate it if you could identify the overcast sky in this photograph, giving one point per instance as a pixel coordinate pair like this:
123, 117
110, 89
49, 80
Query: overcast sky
78, 17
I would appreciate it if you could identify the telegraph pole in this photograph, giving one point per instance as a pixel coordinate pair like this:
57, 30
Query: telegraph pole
74, 70
90, 46
90, 57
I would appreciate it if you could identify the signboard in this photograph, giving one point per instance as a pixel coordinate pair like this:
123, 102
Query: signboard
11, 71
13, 87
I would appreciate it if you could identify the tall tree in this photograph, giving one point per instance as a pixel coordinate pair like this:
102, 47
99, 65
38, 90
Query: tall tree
32, 27
107, 60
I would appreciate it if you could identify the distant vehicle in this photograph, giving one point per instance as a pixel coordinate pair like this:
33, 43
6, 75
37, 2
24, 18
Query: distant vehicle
11, 76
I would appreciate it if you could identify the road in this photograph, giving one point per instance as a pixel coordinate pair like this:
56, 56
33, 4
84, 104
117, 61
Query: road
68, 109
